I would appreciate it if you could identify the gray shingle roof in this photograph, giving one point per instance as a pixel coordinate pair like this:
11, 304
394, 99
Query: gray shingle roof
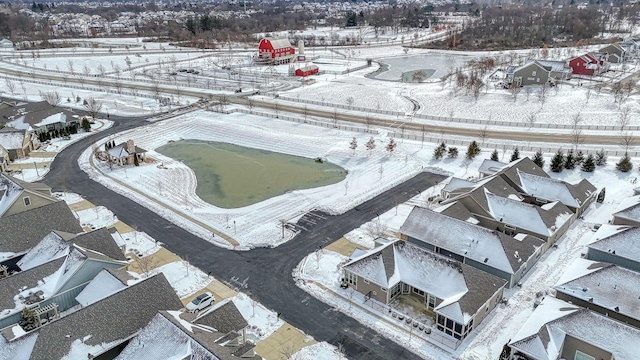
11, 285
22, 231
120, 274
101, 241
225, 318
116, 317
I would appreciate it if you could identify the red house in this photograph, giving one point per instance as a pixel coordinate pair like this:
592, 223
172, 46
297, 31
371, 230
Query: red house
275, 48
587, 64
307, 70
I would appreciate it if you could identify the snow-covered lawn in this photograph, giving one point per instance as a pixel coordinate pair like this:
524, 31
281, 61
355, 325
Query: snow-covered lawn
262, 321
184, 278
96, 218
321, 350
140, 243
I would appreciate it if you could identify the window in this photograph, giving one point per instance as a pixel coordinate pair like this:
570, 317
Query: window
395, 290
352, 279
533, 73
365, 281
383, 289
582, 356
374, 293
418, 291
27, 201
431, 302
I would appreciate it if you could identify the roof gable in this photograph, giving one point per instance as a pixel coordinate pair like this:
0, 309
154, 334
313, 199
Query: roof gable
621, 241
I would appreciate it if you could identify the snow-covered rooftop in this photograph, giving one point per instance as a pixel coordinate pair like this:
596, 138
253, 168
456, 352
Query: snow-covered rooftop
629, 208
547, 188
461, 237
439, 276
9, 190
623, 241
103, 285
49, 248
544, 333
605, 285
12, 138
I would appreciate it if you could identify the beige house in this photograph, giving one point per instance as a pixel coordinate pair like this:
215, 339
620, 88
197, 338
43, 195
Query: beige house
17, 196
17, 142
125, 153
457, 295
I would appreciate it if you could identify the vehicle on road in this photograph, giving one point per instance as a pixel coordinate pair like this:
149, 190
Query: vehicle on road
200, 302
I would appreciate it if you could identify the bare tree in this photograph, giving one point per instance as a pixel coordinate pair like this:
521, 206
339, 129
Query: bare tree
334, 118
627, 140
102, 70
11, 86
70, 65
587, 95
483, 133
51, 97
531, 119
576, 137
86, 70
375, 229
624, 117
514, 90
542, 95
92, 106
349, 101
145, 264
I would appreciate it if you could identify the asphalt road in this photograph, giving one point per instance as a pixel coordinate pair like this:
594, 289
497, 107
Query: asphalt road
264, 273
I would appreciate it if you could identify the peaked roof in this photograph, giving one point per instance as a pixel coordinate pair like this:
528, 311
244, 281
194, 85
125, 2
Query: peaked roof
544, 333
279, 43
112, 319
11, 138
490, 167
12, 189
629, 208
544, 220
553, 189
224, 318
13, 285
40, 221
611, 287
452, 281
623, 241
522, 165
101, 241
492, 248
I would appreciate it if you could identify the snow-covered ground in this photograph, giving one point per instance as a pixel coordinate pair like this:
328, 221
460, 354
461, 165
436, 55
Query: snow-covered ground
319, 351
174, 184
262, 321
487, 340
184, 278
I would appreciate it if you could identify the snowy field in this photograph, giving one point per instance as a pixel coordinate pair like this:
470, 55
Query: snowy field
184, 278
487, 340
258, 224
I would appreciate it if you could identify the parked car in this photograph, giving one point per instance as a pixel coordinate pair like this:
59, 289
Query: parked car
200, 302
182, 70
173, 73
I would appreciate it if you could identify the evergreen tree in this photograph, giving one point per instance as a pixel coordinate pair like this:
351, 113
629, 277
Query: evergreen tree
28, 321
570, 160
538, 159
516, 155
601, 158
453, 152
494, 155
473, 150
86, 126
589, 164
439, 151
557, 162
353, 145
579, 157
624, 164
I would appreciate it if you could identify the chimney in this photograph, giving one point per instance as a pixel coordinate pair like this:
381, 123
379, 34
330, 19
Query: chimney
300, 47
131, 148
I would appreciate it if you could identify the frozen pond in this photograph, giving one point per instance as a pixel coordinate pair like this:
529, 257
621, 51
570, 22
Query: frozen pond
433, 65
232, 176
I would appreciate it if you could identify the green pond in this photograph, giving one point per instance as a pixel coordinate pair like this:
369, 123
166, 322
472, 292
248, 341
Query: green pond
232, 176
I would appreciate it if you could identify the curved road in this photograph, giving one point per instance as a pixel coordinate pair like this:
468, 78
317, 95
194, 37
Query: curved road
266, 274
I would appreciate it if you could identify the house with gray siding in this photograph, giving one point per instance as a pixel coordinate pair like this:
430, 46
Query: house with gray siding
558, 70
459, 296
628, 212
560, 330
499, 254
17, 142
604, 288
619, 245
531, 73
103, 328
615, 53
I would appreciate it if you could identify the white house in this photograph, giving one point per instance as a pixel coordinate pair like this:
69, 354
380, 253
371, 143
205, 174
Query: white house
6, 44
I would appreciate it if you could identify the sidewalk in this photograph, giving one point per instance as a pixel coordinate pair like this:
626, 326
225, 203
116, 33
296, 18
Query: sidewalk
283, 343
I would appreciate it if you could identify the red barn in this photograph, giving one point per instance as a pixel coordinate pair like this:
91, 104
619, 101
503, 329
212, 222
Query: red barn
307, 70
275, 48
586, 64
